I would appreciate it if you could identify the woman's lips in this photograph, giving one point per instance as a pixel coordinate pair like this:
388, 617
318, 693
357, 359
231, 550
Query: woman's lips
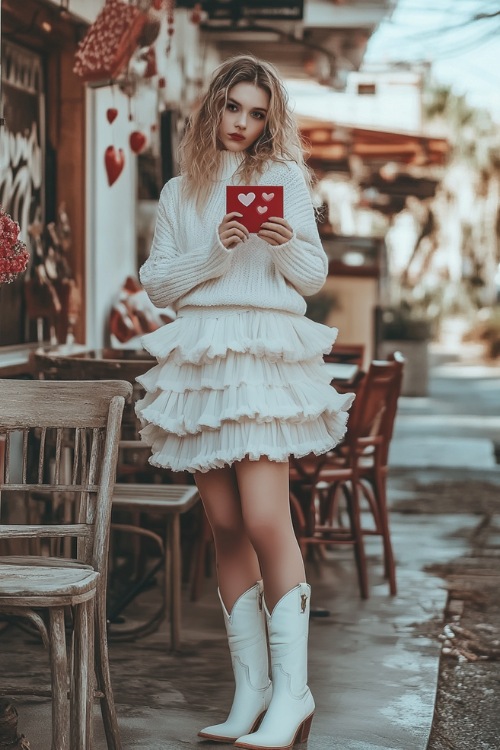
236, 137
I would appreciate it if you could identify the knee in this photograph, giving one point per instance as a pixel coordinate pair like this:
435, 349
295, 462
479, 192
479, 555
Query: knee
268, 535
227, 533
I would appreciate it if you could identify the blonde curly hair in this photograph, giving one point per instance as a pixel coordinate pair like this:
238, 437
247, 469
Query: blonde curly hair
200, 152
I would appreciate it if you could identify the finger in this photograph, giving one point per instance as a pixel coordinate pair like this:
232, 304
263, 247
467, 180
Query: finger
237, 225
230, 216
240, 232
234, 232
280, 220
273, 226
268, 235
234, 225
272, 231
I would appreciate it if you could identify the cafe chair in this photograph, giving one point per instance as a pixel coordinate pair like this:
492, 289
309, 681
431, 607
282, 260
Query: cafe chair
39, 422
147, 501
355, 471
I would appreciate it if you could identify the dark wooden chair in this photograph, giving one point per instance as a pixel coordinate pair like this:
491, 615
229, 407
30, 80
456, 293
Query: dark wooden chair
41, 422
355, 470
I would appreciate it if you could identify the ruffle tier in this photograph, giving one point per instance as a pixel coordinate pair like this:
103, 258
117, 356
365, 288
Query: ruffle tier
199, 335
232, 383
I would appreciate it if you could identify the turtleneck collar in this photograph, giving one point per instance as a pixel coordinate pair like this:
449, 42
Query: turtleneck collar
229, 163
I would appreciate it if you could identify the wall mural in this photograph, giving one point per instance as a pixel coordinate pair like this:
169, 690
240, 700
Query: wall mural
22, 146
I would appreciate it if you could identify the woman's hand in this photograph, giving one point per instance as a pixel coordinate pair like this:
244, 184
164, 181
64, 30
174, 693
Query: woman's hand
276, 231
231, 232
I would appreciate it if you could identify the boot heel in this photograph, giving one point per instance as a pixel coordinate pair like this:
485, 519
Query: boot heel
304, 729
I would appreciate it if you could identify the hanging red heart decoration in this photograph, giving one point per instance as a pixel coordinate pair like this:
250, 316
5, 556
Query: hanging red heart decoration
114, 161
151, 67
157, 4
196, 14
111, 114
137, 141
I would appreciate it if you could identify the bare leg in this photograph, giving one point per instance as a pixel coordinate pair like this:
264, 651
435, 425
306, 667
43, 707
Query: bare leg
237, 564
264, 491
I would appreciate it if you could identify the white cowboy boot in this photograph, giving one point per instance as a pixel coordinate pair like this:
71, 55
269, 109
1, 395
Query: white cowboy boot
290, 713
246, 634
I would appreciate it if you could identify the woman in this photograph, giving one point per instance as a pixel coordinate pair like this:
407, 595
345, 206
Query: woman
240, 383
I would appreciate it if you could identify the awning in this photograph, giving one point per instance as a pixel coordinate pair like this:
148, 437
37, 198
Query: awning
333, 143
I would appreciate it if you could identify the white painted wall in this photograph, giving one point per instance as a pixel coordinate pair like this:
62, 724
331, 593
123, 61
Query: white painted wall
325, 14
396, 105
85, 9
111, 222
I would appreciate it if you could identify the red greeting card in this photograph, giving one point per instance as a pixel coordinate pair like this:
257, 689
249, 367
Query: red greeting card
257, 203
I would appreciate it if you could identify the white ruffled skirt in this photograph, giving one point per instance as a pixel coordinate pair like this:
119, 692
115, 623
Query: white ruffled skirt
233, 382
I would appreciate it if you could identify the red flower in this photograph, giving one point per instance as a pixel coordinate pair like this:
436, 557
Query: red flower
14, 255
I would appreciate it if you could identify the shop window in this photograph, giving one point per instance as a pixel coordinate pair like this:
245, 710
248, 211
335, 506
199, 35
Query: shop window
22, 172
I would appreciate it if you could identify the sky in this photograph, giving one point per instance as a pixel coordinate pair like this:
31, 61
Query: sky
465, 55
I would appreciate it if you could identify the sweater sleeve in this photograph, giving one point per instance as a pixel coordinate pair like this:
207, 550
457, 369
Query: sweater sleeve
171, 271
301, 260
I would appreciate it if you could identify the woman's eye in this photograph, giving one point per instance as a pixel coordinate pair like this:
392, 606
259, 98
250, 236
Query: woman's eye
258, 115
231, 107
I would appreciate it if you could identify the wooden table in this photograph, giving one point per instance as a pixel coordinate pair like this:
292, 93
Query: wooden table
170, 501
341, 372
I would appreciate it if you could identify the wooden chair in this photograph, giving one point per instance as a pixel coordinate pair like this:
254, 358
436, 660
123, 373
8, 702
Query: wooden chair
356, 469
40, 421
143, 492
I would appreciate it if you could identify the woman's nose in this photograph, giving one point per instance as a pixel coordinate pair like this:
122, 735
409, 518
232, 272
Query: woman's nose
241, 120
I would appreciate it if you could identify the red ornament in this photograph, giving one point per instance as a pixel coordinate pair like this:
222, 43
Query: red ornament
157, 4
110, 41
111, 114
137, 141
196, 14
114, 161
162, 82
151, 67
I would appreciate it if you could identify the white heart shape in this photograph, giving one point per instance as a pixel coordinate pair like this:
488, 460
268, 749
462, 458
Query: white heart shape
246, 198
262, 209
268, 196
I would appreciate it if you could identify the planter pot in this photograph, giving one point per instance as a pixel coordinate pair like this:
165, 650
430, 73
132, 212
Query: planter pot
416, 369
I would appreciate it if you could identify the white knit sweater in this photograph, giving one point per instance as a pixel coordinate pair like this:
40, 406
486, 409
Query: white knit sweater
188, 264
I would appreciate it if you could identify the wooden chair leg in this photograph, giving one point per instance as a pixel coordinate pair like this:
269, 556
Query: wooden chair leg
91, 672
101, 659
59, 673
389, 564
359, 547
81, 683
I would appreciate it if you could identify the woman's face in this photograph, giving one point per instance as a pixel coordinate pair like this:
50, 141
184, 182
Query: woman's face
244, 117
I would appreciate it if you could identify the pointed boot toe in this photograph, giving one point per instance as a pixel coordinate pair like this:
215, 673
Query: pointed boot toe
247, 639
289, 716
